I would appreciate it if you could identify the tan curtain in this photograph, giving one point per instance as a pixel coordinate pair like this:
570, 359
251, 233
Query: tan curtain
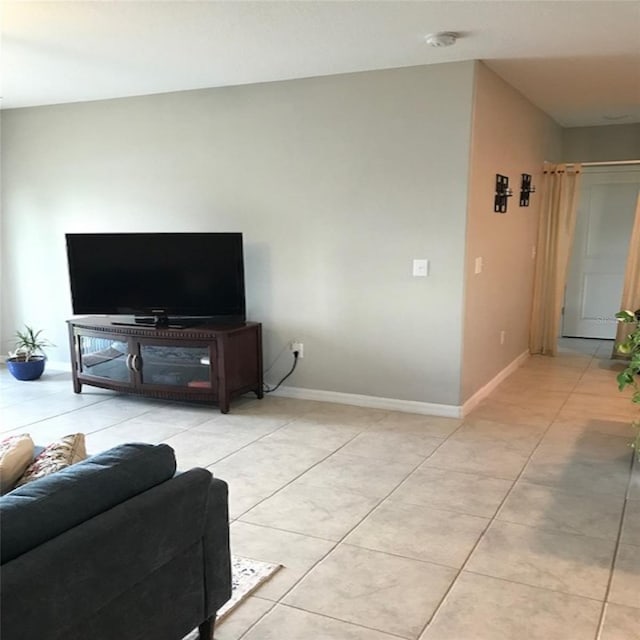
558, 207
631, 289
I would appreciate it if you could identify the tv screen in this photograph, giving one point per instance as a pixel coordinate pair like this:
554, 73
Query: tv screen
157, 274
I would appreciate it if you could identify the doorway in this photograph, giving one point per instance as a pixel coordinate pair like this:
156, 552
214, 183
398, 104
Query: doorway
606, 212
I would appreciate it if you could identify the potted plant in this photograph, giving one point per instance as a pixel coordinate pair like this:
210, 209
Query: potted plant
27, 360
630, 376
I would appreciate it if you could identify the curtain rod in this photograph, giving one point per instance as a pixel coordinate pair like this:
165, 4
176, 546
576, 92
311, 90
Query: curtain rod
602, 164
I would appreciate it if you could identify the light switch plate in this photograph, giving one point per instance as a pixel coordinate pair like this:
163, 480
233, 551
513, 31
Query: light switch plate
478, 265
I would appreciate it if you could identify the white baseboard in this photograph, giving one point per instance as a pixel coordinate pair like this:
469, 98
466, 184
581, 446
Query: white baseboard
483, 392
373, 402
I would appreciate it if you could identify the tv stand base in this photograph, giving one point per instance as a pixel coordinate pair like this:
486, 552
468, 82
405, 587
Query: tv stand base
206, 363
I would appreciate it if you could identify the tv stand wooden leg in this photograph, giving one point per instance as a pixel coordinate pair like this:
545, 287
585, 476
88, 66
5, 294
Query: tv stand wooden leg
77, 386
206, 628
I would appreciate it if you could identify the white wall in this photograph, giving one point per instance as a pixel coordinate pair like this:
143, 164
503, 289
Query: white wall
336, 182
601, 144
3, 292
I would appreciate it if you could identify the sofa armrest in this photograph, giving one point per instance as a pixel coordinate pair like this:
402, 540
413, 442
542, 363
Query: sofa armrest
217, 556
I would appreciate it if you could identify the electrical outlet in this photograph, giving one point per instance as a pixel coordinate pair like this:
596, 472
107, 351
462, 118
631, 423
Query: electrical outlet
502, 336
420, 268
299, 347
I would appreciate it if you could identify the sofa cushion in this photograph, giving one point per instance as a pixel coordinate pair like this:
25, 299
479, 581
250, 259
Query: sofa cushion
16, 453
57, 456
41, 510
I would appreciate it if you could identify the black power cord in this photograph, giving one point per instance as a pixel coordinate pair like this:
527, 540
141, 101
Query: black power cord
268, 389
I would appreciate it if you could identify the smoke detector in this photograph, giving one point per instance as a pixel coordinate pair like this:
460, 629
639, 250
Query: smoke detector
441, 39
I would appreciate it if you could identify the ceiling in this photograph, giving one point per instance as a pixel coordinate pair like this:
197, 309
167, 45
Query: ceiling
577, 60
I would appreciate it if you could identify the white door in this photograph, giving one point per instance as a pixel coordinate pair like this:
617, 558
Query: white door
606, 210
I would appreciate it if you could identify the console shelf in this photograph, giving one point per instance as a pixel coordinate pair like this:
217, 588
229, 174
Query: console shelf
204, 363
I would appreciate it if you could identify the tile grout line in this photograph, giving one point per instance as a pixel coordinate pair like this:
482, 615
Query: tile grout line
493, 518
284, 486
538, 587
614, 559
353, 624
336, 544
315, 464
244, 446
489, 523
56, 415
342, 541
603, 609
238, 519
266, 435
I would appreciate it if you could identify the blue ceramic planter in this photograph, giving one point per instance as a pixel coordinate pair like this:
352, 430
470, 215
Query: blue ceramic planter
30, 370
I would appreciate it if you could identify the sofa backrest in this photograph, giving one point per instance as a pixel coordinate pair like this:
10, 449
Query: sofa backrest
45, 508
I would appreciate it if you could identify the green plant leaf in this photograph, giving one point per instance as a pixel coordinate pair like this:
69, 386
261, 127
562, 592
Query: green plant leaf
630, 376
625, 347
624, 378
626, 316
30, 342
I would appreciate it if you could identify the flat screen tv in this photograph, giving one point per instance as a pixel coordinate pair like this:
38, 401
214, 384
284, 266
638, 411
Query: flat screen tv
157, 277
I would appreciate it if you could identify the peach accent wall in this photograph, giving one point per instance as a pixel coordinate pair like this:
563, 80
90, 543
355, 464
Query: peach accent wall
510, 136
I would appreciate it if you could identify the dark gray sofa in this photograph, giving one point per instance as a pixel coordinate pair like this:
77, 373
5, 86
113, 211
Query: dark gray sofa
117, 547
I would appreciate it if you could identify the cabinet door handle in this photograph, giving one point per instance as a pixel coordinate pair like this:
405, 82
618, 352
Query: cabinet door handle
128, 362
135, 363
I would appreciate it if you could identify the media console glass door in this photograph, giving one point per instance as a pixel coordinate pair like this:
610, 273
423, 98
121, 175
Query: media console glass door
173, 365
105, 358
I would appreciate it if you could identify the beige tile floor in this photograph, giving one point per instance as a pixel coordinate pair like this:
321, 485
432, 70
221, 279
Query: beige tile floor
520, 522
